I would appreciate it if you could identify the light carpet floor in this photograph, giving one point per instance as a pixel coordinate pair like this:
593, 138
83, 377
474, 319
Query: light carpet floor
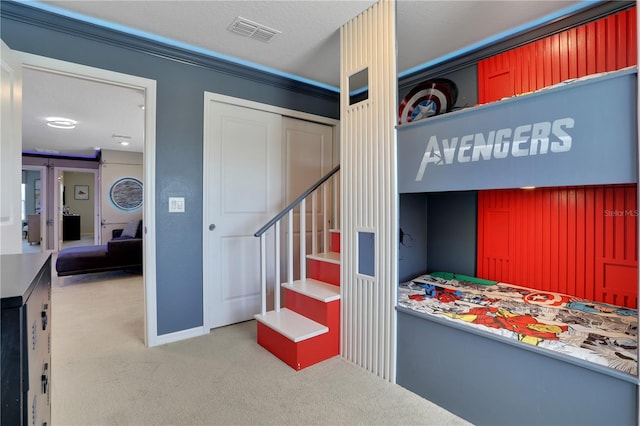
102, 374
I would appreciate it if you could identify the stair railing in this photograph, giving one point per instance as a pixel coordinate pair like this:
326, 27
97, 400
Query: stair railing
322, 185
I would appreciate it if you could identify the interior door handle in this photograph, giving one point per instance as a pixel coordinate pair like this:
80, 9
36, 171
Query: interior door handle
212, 227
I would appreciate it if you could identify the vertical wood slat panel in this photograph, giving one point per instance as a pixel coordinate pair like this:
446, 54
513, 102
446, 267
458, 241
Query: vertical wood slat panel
368, 194
599, 239
581, 48
607, 44
564, 240
590, 248
580, 251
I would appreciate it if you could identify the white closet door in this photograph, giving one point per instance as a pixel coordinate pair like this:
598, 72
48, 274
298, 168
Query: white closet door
242, 191
308, 151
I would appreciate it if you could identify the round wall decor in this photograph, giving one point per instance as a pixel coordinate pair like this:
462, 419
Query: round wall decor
429, 98
126, 194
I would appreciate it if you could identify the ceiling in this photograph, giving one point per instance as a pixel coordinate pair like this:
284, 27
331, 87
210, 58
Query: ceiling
305, 45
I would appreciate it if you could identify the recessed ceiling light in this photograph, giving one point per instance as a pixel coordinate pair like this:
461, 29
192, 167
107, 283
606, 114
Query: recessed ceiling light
124, 143
61, 123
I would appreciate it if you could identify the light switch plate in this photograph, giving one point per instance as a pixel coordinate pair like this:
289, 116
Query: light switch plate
176, 204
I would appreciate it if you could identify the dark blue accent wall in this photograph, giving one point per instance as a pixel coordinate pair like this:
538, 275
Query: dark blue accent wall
452, 230
438, 233
412, 249
182, 78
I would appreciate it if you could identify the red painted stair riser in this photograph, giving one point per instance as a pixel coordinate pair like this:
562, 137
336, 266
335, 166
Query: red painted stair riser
325, 313
335, 242
324, 271
297, 355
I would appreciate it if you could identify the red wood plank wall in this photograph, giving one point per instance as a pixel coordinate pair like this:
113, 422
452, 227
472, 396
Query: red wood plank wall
607, 44
580, 241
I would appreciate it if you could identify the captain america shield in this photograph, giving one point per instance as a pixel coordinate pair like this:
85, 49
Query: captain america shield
427, 99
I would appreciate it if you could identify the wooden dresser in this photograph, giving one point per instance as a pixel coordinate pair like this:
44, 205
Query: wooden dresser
26, 339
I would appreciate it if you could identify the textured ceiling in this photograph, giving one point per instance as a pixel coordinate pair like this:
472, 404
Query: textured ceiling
306, 47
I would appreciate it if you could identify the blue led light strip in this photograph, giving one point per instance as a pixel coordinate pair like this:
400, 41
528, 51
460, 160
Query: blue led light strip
171, 42
502, 36
149, 36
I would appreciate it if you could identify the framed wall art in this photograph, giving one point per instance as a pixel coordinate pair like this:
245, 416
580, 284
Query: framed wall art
81, 192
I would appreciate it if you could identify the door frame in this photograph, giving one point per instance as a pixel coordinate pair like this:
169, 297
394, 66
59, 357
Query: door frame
96, 203
285, 112
43, 201
148, 86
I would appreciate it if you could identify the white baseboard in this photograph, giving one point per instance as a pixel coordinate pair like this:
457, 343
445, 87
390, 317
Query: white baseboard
177, 336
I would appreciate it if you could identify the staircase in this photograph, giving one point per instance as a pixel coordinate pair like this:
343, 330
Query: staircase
305, 330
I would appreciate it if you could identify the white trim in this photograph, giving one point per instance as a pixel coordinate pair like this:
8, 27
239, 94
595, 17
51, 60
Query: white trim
177, 336
10, 146
149, 88
224, 99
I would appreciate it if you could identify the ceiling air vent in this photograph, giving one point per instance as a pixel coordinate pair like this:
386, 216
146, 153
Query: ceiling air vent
247, 28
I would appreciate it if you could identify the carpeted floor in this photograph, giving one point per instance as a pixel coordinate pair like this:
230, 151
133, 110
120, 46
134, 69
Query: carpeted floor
102, 374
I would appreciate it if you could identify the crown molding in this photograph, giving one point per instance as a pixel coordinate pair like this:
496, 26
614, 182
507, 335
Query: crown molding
26, 14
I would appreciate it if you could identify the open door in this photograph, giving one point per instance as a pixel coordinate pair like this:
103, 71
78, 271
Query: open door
10, 152
59, 210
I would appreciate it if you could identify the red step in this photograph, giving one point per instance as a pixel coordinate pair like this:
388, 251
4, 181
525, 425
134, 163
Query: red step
307, 330
335, 240
317, 301
314, 299
298, 341
324, 267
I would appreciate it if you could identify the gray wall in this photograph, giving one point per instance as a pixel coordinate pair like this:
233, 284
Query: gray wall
439, 233
180, 88
452, 225
412, 248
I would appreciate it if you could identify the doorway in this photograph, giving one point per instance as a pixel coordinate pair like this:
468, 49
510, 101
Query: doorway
33, 214
148, 88
79, 224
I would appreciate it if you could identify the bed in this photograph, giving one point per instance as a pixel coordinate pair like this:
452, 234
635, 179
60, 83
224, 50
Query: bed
592, 331
498, 353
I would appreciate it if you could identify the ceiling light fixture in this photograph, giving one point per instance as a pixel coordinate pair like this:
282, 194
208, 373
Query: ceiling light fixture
121, 139
61, 123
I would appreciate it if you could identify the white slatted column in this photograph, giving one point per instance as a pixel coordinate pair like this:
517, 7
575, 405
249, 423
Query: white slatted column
368, 191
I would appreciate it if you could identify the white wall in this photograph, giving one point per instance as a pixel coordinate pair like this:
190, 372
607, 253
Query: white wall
116, 165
